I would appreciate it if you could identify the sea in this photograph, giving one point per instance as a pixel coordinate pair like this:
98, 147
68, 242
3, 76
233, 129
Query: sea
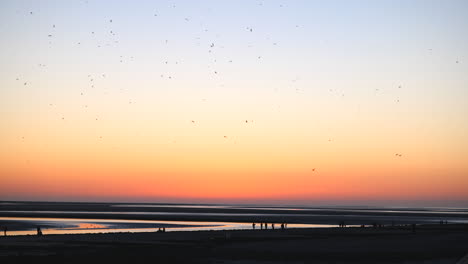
54, 218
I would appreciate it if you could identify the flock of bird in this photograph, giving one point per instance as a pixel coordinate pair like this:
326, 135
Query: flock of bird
211, 47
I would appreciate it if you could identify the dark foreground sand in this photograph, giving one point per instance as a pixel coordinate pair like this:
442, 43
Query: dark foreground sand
429, 244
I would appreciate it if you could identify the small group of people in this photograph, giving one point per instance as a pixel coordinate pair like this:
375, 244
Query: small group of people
161, 230
265, 226
5, 229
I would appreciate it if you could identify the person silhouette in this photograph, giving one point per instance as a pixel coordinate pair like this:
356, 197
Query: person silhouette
253, 226
272, 226
282, 226
39, 231
261, 226
5, 230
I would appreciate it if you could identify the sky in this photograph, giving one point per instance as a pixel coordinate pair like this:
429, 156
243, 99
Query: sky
275, 102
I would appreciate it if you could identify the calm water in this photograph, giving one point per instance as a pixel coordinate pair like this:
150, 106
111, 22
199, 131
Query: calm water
52, 216
93, 226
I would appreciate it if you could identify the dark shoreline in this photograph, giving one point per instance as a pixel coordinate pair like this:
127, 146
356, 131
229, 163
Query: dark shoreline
428, 244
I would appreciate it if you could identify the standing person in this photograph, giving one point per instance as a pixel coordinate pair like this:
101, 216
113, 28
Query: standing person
39, 231
266, 226
5, 230
272, 226
253, 226
261, 226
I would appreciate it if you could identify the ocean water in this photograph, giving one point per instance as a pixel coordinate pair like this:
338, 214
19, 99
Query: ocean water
23, 218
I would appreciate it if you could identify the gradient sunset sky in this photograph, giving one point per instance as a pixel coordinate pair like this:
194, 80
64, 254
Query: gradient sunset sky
276, 102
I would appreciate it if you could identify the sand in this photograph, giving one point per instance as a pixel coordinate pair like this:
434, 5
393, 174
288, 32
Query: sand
429, 244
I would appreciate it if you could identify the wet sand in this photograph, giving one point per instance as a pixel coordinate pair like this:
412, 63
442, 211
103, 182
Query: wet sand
429, 244
89, 224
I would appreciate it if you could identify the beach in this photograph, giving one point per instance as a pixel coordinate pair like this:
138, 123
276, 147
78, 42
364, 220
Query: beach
224, 233
428, 244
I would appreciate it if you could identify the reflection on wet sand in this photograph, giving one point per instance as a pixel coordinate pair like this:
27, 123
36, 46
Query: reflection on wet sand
93, 226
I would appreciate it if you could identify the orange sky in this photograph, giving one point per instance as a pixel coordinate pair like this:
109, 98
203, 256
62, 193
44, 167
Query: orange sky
306, 102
